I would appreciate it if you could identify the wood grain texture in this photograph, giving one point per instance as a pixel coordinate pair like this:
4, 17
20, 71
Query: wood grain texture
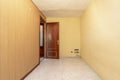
52, 37
19, 38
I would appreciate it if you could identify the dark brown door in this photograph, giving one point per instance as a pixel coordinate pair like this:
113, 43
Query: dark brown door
52, 36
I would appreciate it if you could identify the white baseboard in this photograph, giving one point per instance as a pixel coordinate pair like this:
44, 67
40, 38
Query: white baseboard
70, 56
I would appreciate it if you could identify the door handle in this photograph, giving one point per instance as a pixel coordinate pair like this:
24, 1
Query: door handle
57, 42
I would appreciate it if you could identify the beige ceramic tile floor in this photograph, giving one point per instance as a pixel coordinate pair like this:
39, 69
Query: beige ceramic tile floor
63, 69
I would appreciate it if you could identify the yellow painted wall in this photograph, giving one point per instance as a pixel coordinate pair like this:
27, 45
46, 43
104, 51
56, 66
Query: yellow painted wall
69, 35
100, 38
19, 38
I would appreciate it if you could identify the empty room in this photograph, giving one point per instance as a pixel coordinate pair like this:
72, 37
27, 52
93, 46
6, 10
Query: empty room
60, 40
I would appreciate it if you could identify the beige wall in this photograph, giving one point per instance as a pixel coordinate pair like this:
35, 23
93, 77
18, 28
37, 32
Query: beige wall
100, 38
19, 38
69, 35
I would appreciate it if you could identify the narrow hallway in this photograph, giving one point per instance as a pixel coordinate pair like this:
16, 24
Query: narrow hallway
89, 29
63, 69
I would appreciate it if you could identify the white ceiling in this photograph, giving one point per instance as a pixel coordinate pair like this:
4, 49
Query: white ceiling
61, 8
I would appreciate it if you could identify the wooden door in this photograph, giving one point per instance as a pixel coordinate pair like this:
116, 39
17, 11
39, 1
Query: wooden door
52, 39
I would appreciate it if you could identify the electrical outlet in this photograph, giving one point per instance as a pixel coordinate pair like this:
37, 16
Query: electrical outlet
76, 50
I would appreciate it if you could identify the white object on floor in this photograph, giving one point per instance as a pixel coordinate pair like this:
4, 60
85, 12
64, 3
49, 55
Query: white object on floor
41, 59
63, 69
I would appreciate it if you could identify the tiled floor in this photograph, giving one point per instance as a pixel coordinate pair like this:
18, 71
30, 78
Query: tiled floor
63, 69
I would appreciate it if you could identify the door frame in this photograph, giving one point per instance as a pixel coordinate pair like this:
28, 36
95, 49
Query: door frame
45, 39
44, 34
